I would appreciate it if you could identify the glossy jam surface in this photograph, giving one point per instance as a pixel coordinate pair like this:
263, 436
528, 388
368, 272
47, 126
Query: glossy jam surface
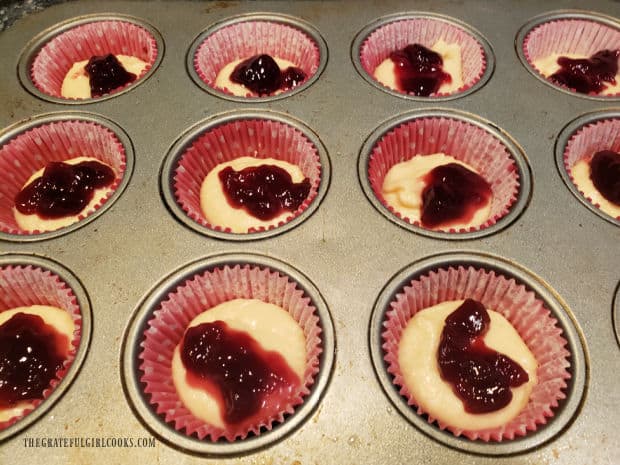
264, 191
243, 376
106, 73
605, 174
262, 75
588, 75
452, 193
64, 189
31, 352
480, 376
419, 70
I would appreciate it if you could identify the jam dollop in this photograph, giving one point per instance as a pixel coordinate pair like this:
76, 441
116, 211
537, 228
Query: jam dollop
63, 189
480, 376
31, 353
262, 75
245, 377
605, 174
265, 191
452, 194
419, 70
588, 75
106, 73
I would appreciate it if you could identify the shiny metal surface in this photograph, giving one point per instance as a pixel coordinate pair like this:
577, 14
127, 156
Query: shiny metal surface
347, 249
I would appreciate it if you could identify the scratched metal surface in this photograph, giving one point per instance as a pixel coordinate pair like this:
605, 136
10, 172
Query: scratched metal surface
346, 248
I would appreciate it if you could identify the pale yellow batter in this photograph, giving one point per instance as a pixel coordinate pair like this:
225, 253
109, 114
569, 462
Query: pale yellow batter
451, 55
549, 65
581, 175
53, 316
404, 183
217, 209
271, 326
76, 83
223, 77
34, 222
417, 357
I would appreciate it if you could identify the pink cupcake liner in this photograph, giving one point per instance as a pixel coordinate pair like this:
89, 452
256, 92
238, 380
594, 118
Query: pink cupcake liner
569, 36
466, 142
248, 38
23, 286
56, 58
194, 296
589, 139
257, 138
33, 149
521, 307
425, 31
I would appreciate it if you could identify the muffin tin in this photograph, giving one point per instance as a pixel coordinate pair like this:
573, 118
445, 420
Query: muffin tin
347, 249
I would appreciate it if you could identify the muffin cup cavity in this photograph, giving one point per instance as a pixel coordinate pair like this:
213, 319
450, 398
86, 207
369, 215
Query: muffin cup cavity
539, 318
255, 134
28, 147
162, 321
50, 56
28, 280
245, 36
567, 32
498, 159
375, 43
580, 140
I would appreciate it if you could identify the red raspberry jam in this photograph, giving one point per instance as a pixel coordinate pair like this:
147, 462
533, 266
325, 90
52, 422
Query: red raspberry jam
480, 376
31, 353
106, 73
605, 174
588, 75
419, 70
64, 189
262, 75
264, 191
452, 194
235, 369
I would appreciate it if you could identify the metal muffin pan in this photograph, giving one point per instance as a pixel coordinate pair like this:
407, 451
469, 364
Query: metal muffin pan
575, 392
134, 337
348, 250
81, 296
37, 43
607, 20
